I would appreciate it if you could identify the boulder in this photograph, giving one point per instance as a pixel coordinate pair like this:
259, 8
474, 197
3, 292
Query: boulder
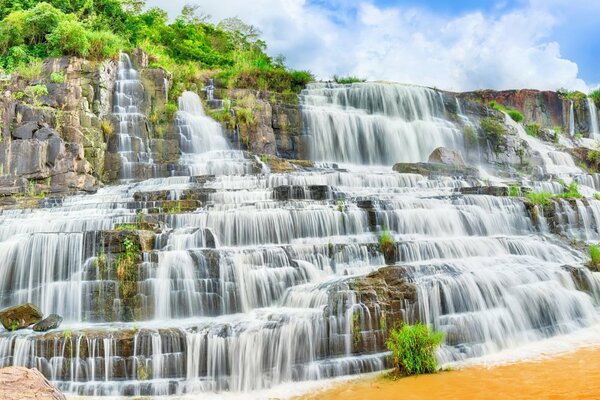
20, 383
19, 317
446, 156
52, 321
25, 131
433, 170
44, 133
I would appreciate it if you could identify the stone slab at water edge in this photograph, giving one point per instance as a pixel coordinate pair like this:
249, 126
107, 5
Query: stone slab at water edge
18, 383
21, 316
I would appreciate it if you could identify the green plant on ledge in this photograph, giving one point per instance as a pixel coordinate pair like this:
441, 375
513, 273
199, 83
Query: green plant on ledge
514, 114
541, 199
413, 349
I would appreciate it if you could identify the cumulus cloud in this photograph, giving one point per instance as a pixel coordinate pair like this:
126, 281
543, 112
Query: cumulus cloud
504, 49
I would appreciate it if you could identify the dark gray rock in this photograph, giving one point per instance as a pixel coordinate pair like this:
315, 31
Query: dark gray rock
44, 133
19, 317
52, 321
436, 169
55, 146
25, 131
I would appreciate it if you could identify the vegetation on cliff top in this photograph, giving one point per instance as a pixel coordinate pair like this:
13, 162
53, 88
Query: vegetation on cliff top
190, 47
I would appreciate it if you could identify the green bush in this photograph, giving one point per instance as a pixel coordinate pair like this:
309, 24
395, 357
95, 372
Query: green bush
595, 95
514, 191
594, 251
57, 77
542, 198
492, 128
533, 129
514, 114
31, 71
69, 38
37, 90
413, 349
387, 246
347, 79
171, 109
571, 192
103, 45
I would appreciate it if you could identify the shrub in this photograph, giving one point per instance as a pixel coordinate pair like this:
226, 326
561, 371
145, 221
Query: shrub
413, 349
533, 129
347, 79
171, 109
570, 94
595, 95
37, 91
514, 114
107, 128
103, 44
514, 191
542, 198
57, 77
70, 38
31, 71
594, 251
387, 246
572, 192
492, 128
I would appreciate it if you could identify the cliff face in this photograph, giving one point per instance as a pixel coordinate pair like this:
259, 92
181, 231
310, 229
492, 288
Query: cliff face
547, 108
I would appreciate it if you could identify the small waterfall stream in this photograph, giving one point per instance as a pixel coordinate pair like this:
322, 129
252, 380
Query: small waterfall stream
595, 130
132, 143
253, 284
571, 119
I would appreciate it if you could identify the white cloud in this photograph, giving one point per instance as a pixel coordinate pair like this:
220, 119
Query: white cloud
509, 49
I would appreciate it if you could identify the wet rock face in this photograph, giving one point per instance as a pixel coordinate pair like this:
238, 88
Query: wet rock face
19, 383
52, 321
387, 299
19, 317
436, 169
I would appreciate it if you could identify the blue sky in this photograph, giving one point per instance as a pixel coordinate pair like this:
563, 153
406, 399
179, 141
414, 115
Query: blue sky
455, 45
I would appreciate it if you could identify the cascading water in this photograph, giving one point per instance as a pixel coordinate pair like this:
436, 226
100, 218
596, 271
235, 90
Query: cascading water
375, 123
572, 119
205, 151
595, 131
249, 283
132, 141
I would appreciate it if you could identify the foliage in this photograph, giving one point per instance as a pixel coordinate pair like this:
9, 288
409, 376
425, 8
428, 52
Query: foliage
171, 109
571, 192
541, 199
595, 95
533, 129
514, 114
492, 128
190, 46
514, 191
470, 137
107, 128
57, 77
31, 71
570, 94
387, 245
69, 38
37, 90
347, 79
413, 349
594, 251
103, 45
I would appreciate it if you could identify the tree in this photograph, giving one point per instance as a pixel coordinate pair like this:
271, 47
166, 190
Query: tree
190, 14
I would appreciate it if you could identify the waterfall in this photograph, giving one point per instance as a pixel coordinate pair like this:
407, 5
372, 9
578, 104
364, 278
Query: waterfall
375, 123
248, 280
571, 119
595, 131
204, 148
132, 139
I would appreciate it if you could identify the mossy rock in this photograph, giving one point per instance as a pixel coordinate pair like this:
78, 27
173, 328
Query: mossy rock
20, 317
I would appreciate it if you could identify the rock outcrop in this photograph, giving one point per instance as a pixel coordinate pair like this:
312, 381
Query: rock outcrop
19, 383
20, 317
52, 321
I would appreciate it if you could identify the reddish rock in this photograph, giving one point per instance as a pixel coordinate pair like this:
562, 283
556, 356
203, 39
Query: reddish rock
19, 383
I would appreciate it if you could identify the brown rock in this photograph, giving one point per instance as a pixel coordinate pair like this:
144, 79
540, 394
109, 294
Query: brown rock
19, 383
446, 156
21, 316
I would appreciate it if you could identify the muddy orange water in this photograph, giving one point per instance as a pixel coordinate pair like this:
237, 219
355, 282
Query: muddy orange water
569, 376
